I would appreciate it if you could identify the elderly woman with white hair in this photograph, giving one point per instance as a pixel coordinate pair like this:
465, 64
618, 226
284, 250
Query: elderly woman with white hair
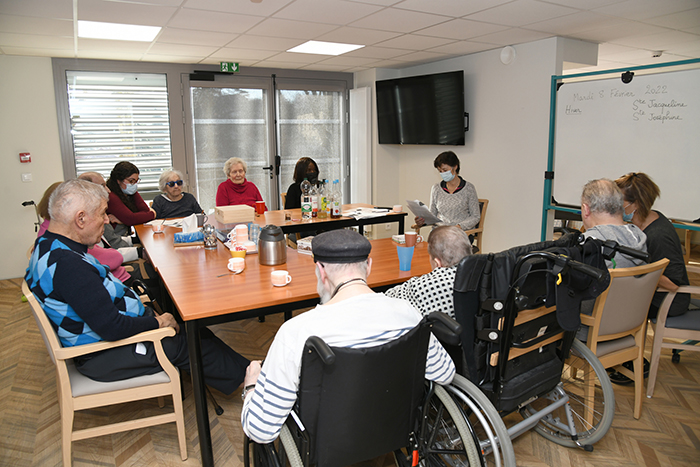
174, 202
236, 189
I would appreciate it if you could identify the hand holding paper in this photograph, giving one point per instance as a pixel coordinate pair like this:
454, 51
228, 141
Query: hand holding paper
421, 210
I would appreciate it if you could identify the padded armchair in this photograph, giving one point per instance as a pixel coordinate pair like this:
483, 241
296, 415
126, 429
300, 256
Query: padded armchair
617, 327
685, 327
477, 231
78, 392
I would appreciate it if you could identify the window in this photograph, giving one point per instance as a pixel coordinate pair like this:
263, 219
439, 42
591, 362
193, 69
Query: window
118, 117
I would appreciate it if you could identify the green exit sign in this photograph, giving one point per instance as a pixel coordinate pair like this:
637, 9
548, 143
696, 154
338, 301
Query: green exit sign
229, 67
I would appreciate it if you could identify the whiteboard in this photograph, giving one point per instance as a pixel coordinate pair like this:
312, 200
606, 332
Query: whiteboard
605, 129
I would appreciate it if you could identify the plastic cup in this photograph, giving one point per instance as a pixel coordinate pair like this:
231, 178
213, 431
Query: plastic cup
405, 257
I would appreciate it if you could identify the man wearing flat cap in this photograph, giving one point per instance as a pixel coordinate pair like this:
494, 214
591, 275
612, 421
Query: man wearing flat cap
350, 315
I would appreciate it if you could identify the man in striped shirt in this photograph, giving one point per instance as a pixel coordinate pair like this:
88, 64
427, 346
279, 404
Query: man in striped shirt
350, 315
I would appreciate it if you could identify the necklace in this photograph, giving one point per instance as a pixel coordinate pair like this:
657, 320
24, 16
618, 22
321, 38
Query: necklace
343, 284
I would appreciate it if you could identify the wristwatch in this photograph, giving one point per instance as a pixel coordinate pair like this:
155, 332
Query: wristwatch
245, 391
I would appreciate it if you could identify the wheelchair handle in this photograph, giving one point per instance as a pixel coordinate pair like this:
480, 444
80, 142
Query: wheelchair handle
438, 317
315, 343
594, 272
610, 247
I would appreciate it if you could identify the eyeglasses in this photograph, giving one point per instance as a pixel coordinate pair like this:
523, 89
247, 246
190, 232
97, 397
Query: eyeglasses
131, 181
172, 184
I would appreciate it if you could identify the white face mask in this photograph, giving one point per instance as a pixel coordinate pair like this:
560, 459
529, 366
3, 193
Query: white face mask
131, 188
447, 176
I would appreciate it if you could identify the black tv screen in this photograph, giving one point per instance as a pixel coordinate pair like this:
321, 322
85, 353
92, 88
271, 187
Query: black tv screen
426, 109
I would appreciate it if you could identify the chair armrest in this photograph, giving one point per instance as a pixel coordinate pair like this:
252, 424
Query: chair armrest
154, 335
473, 231
587, 320
666, 304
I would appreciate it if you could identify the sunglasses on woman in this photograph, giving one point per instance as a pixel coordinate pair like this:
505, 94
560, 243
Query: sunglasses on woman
172, 184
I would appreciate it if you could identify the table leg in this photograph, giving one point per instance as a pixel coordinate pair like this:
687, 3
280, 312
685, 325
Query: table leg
400, 222
200, 397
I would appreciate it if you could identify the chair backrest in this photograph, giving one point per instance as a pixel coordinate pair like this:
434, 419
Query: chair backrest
625, 304
46, 329
483, 205
364, 404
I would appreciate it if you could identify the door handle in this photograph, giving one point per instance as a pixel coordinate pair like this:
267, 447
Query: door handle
269, 167
278, 163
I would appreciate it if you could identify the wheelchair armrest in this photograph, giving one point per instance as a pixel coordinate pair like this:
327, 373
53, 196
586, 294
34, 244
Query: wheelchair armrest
445, 328
318, 345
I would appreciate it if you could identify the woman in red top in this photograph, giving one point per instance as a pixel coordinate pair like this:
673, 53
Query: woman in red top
125, 204
237, 190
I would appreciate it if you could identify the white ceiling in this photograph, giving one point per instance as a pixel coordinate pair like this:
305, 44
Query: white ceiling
396, 33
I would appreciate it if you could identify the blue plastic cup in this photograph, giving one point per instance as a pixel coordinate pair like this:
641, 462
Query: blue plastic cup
405, 256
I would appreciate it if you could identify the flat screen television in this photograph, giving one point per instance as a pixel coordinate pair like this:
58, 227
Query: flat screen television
427, 109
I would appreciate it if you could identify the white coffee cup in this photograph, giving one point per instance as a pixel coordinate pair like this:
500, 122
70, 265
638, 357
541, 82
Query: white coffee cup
397, 208
280, 278
412, 238
236, 264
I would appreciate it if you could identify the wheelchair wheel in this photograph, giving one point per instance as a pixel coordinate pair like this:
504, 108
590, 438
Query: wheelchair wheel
491, 432
290, 448
448, 440
591, 399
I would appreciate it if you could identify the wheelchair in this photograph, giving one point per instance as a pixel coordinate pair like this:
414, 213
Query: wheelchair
519, 310
358, 404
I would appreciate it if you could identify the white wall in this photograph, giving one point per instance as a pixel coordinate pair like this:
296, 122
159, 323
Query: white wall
505, 155
28, 123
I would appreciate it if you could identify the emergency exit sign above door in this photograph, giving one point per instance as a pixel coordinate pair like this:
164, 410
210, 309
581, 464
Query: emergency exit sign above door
229, 67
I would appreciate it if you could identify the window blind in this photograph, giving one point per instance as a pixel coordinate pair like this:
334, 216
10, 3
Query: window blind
120, 117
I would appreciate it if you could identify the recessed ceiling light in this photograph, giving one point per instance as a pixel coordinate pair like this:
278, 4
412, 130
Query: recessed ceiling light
117, 32
324, 48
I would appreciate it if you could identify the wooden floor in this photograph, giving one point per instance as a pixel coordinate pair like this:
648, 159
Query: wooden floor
667, 434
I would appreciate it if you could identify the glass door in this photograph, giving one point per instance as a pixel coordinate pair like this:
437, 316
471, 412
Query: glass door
311, 123
235, 117
229, 119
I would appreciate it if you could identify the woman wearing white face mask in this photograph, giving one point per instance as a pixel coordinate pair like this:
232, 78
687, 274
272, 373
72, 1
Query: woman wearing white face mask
125, 203
454, 200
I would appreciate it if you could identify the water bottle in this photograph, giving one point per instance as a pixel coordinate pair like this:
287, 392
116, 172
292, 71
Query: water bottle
336, 201
305, 199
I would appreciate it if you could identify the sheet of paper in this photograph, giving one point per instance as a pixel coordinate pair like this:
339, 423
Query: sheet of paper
421, 210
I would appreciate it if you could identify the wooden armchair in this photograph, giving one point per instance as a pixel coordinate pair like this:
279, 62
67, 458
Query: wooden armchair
477, 231
685, 327
78, 392
617, 327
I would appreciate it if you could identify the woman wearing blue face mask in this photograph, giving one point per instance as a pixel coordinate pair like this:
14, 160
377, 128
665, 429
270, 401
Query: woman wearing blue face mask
454, 200
640, 192
125, 203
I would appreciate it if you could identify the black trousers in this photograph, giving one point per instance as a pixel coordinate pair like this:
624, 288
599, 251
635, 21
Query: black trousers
223, 368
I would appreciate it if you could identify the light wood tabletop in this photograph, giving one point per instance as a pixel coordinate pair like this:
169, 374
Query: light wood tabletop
201, 285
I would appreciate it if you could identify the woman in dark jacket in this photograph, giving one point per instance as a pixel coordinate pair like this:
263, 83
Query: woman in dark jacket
305, 168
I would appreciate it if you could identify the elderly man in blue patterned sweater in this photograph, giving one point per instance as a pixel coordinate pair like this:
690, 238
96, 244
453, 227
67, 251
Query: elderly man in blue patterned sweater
350, 315
86, 303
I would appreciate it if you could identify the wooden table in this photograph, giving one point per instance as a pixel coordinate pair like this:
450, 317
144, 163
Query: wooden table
205, 292
297, 225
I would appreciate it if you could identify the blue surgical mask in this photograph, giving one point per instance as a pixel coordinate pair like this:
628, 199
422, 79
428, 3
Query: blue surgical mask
131, 188
447, 176
628, 217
